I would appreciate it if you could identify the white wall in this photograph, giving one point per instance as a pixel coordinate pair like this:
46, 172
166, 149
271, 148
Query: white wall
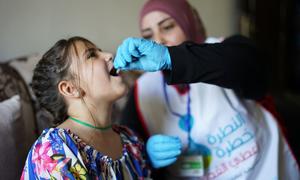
32, 26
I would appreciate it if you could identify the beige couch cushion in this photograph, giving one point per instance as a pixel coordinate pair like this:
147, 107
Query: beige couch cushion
25, 66
18, 131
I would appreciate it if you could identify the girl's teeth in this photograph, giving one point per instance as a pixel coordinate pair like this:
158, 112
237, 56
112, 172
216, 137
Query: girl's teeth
114, 72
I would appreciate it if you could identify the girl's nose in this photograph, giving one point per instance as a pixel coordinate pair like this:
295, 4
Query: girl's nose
108, 57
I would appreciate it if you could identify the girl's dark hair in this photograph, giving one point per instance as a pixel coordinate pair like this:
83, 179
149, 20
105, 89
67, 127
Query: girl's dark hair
50, 70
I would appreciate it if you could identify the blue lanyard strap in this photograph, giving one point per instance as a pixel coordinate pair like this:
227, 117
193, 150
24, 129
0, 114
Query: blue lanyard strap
188, 115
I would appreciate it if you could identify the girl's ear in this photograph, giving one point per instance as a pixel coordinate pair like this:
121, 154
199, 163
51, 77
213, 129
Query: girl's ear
67, 89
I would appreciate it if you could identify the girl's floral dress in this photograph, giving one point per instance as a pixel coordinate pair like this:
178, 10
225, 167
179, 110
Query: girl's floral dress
60, 154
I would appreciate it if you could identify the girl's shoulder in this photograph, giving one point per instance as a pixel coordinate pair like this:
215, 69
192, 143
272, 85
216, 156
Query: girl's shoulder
53, 135
130, 140
54, 141
53, 155
133, 145
127, 133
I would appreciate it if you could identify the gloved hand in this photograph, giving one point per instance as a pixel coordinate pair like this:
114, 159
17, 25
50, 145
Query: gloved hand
163, 150
142, 54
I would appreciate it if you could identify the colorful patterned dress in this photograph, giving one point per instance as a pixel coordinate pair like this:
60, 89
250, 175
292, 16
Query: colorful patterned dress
60, 154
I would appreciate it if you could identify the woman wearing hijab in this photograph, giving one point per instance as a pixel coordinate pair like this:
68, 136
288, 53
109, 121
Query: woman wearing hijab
210, 132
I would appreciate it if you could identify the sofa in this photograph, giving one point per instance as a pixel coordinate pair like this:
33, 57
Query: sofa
19, 112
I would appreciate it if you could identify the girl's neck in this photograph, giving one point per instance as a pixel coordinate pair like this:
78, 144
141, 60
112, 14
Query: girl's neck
97, 115
107, 141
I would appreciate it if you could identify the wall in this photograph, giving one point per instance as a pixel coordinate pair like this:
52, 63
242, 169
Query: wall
32, 26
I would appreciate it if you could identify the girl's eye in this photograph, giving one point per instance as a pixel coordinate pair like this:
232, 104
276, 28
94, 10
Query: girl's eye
91, 55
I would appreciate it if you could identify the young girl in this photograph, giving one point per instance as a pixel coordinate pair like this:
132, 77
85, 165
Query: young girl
73, 82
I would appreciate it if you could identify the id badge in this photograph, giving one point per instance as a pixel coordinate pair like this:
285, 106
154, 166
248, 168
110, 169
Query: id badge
190, 166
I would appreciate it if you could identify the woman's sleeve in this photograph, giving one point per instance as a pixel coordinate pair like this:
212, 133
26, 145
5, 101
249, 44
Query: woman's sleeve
50, 159
130, 117
235, 63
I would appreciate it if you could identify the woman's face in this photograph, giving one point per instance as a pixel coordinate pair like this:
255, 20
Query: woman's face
162, 28
91, 71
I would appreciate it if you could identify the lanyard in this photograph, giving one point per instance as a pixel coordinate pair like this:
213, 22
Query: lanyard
187, 120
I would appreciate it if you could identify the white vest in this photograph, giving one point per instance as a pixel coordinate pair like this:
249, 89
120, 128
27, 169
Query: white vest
238, 138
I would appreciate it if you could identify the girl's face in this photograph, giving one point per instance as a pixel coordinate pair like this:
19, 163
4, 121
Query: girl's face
92, 75
162, 28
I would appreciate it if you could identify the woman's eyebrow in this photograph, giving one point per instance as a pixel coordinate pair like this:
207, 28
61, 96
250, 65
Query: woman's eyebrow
159, 23
164, 20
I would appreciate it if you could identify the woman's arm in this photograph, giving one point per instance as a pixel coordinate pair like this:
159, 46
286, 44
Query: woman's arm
235, 63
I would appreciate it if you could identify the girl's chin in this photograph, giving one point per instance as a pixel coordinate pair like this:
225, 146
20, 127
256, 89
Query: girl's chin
120, 92
123, 91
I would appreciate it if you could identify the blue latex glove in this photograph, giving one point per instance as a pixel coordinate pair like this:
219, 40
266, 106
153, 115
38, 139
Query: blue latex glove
163, 150
142, 54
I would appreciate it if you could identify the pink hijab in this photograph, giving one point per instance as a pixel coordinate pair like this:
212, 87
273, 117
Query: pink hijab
183, 13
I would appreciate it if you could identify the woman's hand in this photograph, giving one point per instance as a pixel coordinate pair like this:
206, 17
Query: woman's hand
142, 54
163, 150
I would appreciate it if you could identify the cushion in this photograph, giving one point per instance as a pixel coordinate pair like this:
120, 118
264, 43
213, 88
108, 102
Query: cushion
25, 66
18, 127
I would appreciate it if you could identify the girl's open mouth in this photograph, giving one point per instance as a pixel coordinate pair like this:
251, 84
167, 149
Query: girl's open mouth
114, 72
